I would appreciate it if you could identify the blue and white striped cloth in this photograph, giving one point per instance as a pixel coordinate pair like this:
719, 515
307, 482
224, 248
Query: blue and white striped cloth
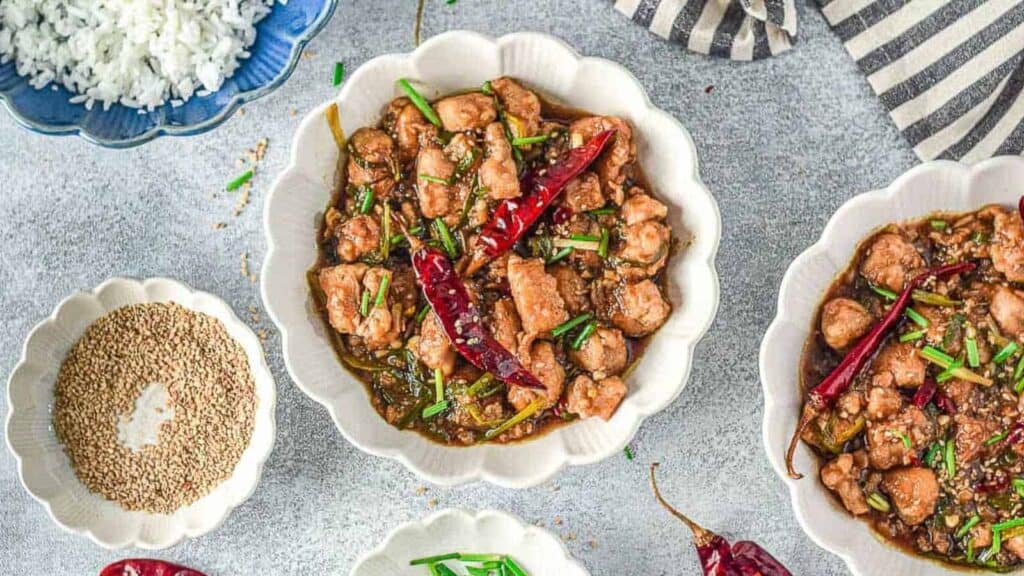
950, 72
737, 29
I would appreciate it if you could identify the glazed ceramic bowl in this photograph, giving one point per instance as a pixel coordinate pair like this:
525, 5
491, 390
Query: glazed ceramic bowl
928, 188
280, 38
457, 61
536, 550
46, 471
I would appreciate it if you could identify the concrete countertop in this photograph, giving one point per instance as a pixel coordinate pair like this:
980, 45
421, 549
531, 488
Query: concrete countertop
783, 142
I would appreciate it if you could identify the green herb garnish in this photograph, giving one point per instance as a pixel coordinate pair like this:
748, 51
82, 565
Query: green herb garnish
883, 292
950, 458
364, 304
419, 102
879, 502
528, 140
938, 224
973, 358
903, 438
562, 253
602, 247
917, 318
367, 203
382, 291
446, 238
435, 409
238, 182
628, 452
971, 523
1005, 353
570, 324
912, 336
583, 335
433, 179
996, 438
339, 73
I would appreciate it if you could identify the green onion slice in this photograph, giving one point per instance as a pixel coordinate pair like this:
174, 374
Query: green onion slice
339, 73
523, 414
1018, 486
562, 253
419, 102
528, 140
938, 224
435, 409
903, 438
628, 452
438, 385
385, 247
603, 211
593, 245
883, 292
996, 438
513, 567
446, 238
879, 502
973, 358
434, 559
950, 458
971, 523
434, 179
1019, 371
933, 451
933, 299
238, 182
602, 247
569, 325
382, 291
912, 336
367, 202
585, 237
917, 318
1005, 353
442, 570
583, 335
364, 304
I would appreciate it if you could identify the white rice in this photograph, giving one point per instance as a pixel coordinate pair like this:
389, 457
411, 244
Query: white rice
140, 53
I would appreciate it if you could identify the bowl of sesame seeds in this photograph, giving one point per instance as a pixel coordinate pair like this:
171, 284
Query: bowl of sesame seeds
141, 412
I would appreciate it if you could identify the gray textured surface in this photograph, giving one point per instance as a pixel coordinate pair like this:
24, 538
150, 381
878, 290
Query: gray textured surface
782, 142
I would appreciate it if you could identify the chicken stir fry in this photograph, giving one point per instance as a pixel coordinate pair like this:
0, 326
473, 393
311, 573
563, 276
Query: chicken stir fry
928, 441
572, 302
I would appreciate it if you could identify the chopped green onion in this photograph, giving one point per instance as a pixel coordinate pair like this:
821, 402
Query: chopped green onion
879, 502
364, 304
466, 162
238, 182
996, 438
1018, 486
385, 247
569, 325
367, 202
513, 568
603, 211
433, 179
474, 571
602, 247
527, 140
1019, 386
480, 557
1005, 353
917, 318
1008, 524
938, 224
970, 551
948, 374
950, 458
339, 73
585, 237
593, 246
522, 415
628, 452
933, 299
438, 385
973, 358
442, 570
446, 238
583, 335
435, 409
482, 382
971, 523
382, 292
903, 438
933, 451
486, 88
937, 356
419, 101
1019, 371
887, 294
997, 544
912, 336
562, 253
434, 559
422, 313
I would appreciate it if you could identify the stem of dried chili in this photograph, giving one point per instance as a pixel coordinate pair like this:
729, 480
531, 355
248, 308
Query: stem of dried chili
717, 556
147, 567
825, 394
462, 321
514, 216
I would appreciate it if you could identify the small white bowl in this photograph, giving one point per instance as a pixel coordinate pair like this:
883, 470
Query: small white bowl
456, 61
45, 469
931, 187
536, 550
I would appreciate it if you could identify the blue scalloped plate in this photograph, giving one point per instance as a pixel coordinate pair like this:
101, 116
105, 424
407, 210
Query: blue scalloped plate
280, 39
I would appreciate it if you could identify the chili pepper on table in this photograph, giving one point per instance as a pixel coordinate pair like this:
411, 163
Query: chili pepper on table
720, 558
825, 394
514, 216
147, 567
461, 319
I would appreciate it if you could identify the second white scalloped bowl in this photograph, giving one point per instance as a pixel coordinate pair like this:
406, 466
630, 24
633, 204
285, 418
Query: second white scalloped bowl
928, 188
447, 63
46, 471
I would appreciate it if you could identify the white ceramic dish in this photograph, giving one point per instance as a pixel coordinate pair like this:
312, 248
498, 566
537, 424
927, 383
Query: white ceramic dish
536, 550
46, 471
930, 187
457, 61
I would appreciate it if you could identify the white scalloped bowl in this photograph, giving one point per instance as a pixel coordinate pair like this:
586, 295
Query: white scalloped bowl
928, 188
45, 469
536, 550
456, 61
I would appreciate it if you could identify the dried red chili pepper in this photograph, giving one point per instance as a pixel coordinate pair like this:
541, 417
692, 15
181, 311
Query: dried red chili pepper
945, 403
147, 567
995, 486
825, 394
514, 216
1020, 208
924, 394
461, 319
717, 556
1016, 434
